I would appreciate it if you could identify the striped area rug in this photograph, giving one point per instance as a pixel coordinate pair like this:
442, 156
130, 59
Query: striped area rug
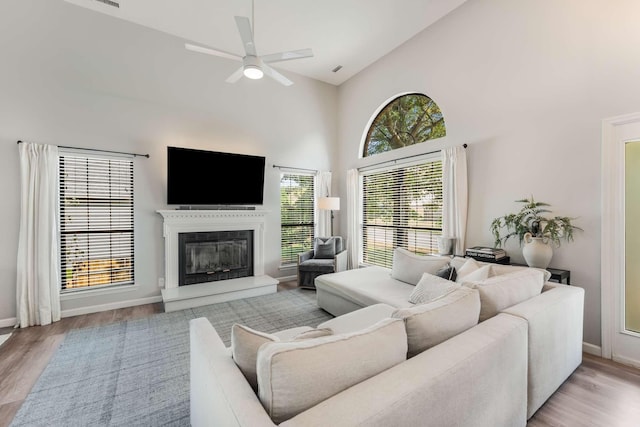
136, 372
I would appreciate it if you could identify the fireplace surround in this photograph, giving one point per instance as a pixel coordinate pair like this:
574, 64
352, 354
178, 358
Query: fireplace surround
225, 225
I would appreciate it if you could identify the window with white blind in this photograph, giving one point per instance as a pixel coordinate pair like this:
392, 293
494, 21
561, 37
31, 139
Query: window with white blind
296, 216
401, 207
96, 221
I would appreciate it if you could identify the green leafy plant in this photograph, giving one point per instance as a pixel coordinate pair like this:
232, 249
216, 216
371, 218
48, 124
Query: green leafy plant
531, 219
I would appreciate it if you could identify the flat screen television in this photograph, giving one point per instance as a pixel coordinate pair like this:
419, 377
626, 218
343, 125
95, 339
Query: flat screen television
200, 177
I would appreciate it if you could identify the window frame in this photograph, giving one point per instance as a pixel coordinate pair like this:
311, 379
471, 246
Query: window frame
78, 291
382, 168
288, 263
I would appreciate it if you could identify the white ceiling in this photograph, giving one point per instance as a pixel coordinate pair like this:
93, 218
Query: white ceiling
351, 33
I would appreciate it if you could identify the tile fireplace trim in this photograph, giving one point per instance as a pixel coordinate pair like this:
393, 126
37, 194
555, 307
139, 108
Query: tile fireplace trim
188, 221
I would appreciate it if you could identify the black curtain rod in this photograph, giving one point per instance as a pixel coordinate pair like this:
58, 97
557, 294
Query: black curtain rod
300, 169
101, 151
404, 158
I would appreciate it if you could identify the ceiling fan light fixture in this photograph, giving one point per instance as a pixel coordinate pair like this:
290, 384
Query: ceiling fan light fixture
252, 67
253, 72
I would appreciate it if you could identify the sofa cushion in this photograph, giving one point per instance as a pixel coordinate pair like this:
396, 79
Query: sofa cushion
431, 287
500, 292
366, 286
295, 376
430, 324
408, 267
245, 343
324, 248
498, 269
313, 333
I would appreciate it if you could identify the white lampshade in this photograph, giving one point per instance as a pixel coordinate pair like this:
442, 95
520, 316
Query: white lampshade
329, 203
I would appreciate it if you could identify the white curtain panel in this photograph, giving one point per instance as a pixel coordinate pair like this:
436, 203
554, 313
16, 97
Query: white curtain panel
454, 194
38, 283
323, 218
352, 218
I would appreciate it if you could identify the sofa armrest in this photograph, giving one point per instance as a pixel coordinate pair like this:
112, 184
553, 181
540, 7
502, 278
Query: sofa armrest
341, 261
304, 256
432, 388
219, 393
555, 319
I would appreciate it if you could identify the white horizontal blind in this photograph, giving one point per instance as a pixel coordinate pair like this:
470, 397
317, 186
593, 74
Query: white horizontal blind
296, 215
96, 221
402, 207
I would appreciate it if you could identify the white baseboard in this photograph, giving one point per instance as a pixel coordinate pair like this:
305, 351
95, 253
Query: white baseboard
287, 278
626, 361
594, 350
5, 323
111, 306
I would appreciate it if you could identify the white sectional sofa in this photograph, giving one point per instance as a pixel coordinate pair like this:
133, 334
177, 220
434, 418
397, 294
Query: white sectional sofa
497, 372
554, 319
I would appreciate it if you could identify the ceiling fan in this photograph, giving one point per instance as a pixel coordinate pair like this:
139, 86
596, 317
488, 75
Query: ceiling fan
253, 65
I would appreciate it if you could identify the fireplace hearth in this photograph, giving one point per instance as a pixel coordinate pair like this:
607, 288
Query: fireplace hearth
216, 255
216, 263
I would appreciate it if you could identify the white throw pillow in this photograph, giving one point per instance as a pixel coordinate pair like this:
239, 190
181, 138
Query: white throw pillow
430, 324
294, 376
431, 287
408, 267
481, 273
500, 292
245, 343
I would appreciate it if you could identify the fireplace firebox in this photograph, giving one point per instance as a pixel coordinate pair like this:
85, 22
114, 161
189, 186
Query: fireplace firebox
214, 255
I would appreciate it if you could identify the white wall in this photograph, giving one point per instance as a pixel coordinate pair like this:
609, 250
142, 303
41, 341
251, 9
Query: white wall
69, 76
526, 85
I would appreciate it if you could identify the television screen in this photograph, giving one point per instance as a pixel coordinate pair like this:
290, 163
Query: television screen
200, 177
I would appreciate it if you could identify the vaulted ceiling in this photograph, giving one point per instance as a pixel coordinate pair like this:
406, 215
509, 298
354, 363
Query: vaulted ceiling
348, 33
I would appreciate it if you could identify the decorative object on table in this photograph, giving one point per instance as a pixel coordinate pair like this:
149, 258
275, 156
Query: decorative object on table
537, 231
483, 253
329, 204
445, 245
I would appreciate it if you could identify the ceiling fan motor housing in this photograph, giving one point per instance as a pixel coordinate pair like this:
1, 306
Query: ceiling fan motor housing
252, 67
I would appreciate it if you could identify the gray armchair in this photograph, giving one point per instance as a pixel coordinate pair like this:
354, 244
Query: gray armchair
328, 255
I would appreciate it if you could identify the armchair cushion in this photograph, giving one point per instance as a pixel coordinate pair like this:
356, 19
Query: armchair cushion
318, 265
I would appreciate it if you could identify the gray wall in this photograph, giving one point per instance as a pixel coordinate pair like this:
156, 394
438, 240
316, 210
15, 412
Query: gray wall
526, 84
70, 76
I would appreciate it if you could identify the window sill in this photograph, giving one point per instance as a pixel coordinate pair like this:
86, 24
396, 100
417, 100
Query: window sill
85, 293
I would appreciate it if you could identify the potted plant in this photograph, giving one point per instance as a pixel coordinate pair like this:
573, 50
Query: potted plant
536, 230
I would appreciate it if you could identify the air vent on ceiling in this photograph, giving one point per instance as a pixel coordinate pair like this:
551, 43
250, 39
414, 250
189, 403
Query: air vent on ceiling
338, 68
109, 3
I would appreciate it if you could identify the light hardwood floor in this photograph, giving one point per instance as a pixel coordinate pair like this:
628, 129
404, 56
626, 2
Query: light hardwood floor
600, 393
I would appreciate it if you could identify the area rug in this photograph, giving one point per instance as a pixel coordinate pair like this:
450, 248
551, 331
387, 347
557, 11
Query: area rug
136, 372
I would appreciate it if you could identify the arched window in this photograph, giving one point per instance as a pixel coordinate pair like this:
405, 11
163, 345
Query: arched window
406, 120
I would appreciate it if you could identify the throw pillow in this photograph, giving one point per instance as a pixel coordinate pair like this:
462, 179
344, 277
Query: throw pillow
245, 343
447, 272
431, 287
475, 274
430, 324
408, 267
324, 248
313, 333
294, 376
500, 292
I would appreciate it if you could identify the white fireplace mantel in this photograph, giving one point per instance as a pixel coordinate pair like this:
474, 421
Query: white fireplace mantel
193, 221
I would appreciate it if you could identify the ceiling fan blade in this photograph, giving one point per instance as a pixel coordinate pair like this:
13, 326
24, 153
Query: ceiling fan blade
276, 75
213, 52
235, 76
246, 34
287, 56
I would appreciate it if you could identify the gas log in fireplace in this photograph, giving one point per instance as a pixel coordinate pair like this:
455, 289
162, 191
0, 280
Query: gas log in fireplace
214, 255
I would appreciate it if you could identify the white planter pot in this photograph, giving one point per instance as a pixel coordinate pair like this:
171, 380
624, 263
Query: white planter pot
536, 251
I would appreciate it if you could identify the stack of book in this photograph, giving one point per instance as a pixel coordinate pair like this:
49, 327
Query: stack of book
482, 253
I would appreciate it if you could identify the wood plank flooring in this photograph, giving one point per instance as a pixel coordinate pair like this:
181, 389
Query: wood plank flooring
599, 393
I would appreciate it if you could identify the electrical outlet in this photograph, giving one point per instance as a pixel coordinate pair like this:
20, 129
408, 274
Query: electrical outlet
161, 282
